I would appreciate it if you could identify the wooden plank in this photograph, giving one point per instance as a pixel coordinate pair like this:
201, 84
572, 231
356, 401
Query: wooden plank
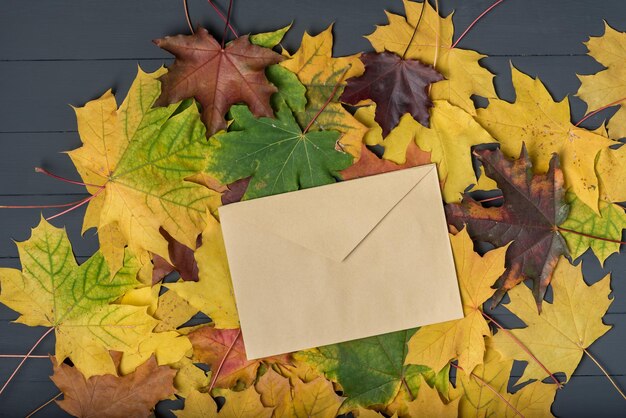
114, 29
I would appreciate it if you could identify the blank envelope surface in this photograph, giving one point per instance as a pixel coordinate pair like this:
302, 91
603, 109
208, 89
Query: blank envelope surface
341, 262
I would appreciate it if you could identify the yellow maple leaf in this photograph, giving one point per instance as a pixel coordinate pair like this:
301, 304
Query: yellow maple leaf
320, 72
315, 399
545, 127
464, 76
275, 392
611, 169
435, 345
609, 85
135, 160
243, 404
559, 335
213, 292
449, 139
430, 404
189, 377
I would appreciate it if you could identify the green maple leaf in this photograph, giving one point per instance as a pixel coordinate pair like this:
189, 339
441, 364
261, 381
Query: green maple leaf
276, 153
52, 290
371, 370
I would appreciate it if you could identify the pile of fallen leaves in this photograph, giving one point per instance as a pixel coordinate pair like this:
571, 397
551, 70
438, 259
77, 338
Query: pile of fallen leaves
241, 121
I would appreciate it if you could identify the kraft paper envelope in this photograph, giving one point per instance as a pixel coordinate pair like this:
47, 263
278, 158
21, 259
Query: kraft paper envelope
341, 262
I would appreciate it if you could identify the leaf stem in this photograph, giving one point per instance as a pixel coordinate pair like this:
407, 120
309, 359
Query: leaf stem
490, 8
523, 347
20, 356
417, 25
226, 23
330, 98
54, 398
605, 373
76, 206
491, 388
219, 368
221, 15
590, 114
79, 183
19, 366
560, 228
187, 17
62, 205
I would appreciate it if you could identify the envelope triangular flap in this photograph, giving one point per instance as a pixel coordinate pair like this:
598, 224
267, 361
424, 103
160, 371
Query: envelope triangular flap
330, 220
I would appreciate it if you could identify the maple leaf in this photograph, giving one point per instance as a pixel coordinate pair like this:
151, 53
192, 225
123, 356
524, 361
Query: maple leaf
135, 160
225, 346
559, 336
370, 164
483, 393
584, 228
276, 153
275, 392
217, 77
242, 404
370, 370
189, 377
430, 404
449, 139
463, 74
213, 293
545, 127
611, 169
270, 39
53, 291
320, 73
609, 85
182, 259
133, 395
396, 85
172, 311
528, 219
315, 399
435, 345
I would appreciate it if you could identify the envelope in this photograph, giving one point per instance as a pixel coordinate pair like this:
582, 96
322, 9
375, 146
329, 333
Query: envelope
340, 262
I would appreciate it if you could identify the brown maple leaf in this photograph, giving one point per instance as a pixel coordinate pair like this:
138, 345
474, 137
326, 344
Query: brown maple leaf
224, 351
132, 395
396, 85
370, 164
528, 219
217, 77
182, 257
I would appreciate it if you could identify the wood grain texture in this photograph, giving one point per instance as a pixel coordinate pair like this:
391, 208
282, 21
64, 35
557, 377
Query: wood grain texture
59, 53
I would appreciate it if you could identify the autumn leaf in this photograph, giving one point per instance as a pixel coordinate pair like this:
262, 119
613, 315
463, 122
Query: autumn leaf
545, 127
172, 312
602, 233
213, 293
137, 158
133, 395
276, 153
52, 290
182, 259
225, 346
370, 370
609, 85
611, 168
528, 219
484, 393
217, 76
463, 74
370, 164
189, 377
315, 399
320, 73
430, 404
242, 404
564, 330
269, 39
275, 392
396, 85
435, 345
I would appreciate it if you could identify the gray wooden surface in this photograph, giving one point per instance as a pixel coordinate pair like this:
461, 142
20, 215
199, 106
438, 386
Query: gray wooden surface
58, 53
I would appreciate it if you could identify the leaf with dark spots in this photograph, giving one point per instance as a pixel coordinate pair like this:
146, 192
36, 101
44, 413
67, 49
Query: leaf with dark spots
182, 258
533, 208
217, 77
396, 85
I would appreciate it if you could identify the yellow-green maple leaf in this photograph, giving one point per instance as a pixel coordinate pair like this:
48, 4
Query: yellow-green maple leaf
611, 169
565, 328
609, 85
136, 159
320, 72
464, 76
435, 345
213, 293
315, 399
545, 127
53, 291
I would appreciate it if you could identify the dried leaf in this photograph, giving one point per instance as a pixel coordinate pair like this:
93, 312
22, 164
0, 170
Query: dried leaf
369, 163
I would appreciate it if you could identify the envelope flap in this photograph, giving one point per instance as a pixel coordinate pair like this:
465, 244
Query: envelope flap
330, 220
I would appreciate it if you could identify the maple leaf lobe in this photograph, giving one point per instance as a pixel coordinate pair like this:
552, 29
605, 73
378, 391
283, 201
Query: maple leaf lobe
397, 85
533, 208
217, 77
